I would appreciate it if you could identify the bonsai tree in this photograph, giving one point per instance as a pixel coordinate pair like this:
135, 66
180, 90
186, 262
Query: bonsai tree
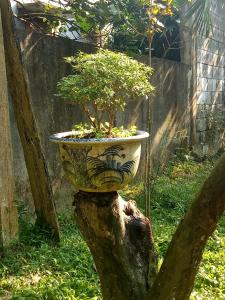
102, 83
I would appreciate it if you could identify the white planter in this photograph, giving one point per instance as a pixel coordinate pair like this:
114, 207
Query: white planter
99, 165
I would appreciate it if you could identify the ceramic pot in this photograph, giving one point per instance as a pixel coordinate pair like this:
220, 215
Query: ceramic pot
99, 165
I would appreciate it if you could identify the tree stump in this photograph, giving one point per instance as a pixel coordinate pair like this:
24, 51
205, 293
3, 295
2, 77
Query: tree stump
120, 239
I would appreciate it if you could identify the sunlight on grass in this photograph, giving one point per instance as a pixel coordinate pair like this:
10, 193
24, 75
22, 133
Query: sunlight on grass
33, 269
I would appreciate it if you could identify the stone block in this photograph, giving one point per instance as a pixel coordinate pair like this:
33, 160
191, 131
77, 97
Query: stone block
203, 98
216, 97
201, 111
221, 35
199, 69
201, 124
213, 46
209, 58
218, 72
207, 71
219, 85
202, 137
221, 61
222, 48
219, 109
218, 35
206, 43
204, 70
200, 42
214, 110
202, 84
211, 86
223, 97
216, 116
205, 149
201, 55
214, 59
208, 107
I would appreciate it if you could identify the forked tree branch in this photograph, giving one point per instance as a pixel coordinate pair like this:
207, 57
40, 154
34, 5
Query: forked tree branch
175, 279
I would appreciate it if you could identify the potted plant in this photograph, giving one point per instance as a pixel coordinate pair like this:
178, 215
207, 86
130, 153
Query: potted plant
100, 157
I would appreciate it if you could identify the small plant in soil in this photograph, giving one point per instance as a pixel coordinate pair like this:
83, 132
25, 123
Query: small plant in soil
101, 84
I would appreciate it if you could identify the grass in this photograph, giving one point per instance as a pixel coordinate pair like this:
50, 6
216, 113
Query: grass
34, 269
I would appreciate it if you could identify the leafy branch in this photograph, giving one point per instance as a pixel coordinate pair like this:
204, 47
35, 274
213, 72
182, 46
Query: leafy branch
103, 82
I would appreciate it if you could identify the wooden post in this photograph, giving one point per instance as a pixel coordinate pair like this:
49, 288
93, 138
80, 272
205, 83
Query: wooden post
8, 210
120, 239
33, 154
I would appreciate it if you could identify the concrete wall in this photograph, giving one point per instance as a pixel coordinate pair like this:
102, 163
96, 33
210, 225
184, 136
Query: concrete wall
206, 55
170, 111
43, 58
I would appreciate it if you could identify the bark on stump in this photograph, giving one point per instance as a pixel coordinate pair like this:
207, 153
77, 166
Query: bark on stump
120, 239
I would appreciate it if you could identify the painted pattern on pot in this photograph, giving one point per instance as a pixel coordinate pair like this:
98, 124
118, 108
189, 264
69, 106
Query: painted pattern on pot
109, 170
106, 169
100, 166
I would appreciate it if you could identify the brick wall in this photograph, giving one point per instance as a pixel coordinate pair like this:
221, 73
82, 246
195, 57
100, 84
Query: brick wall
208, 62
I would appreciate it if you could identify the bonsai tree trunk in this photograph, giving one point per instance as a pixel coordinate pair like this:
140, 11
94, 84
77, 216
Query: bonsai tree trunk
34, 158
120, 240
8, 211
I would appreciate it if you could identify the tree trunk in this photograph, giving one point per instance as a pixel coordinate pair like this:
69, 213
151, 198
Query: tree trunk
120, 240
8, 210
177, 274
34, 158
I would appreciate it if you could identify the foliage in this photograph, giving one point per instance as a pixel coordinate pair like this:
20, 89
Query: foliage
34, 269
155, 10
84, 130
126, 25
199, 14
92, 17
117, 24
130, 19
122, 132
143, 19
103, 82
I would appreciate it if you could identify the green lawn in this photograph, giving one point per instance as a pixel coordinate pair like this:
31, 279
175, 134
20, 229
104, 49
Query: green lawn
33, 269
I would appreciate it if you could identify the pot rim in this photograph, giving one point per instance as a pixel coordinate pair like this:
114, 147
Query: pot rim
62, 138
